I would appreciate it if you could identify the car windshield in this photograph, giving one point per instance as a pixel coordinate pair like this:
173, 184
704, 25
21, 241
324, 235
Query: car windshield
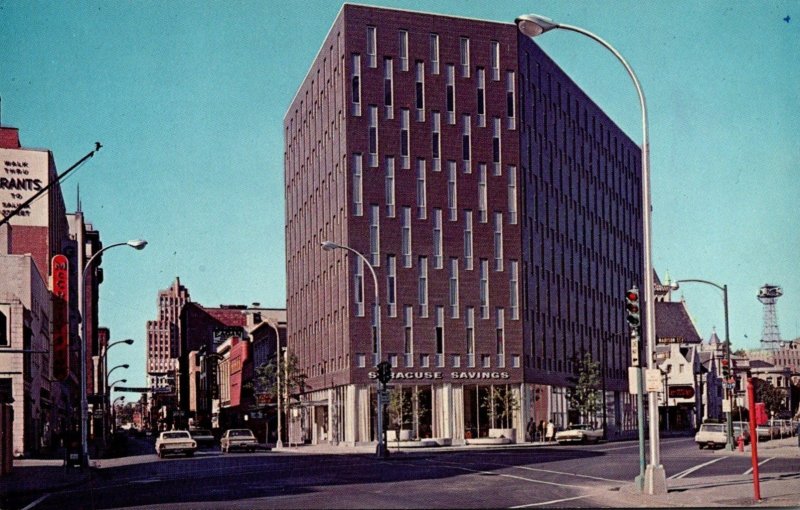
240, 433
713, 428
175, 435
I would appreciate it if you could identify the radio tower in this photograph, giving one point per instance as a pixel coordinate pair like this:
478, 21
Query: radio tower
771, 335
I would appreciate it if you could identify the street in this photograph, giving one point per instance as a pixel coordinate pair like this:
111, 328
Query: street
518, 476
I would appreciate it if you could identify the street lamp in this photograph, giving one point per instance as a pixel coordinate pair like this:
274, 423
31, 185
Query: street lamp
329, 246
534, 25
724, 288
137, 244
103, 365
113, 410
279, 442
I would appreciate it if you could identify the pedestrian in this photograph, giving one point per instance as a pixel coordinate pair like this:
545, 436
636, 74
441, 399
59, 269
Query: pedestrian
531, 429
542, 430
798, 433
551, 430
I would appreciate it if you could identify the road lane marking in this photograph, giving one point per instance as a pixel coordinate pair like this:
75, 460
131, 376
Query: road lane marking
691, 470
551, 502
483, 472
749, 471
635, 445
32, 505
562, 473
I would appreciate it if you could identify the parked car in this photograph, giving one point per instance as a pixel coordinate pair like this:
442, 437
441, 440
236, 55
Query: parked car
768, 431
580, 433
712, 435
175, 441
785, 427
203, 437
238, 439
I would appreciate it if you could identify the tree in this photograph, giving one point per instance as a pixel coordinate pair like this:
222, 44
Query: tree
403, 409
501, 403
772, 397
585, 397
292, 380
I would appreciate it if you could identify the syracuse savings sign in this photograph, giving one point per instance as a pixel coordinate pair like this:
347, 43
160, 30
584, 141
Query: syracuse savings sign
468, 375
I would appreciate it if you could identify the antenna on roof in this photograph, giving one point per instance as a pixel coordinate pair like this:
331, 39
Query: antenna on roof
79, 198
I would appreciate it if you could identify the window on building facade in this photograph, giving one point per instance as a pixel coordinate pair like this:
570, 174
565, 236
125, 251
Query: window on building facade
358, 286
391, 285
466, 143
454, 288
373, 136
439, 334
468, 240
483, 215
434, 53
484, 288
498, 241
514, 289
388, 88
375, 235
419, 89
438, 248
436, 141
481, 110
512, 195
390, 187
495, 58
422, 209
510, 101
496, 168
452, 190
408, 334
464, 52
451, 94
358, 186
405, 126
405, 241
501, 337
470, 339
403, 47
355, 82
372, 47
422, 268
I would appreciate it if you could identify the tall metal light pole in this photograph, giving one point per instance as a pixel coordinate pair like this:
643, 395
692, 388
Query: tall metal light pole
279, 442
724, 288
103, 366
328, 246
137, 244
534, 25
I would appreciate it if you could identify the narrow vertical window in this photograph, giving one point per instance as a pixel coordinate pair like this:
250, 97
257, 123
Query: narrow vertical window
512, 195
435, 53
388, 88
454, 288
422, 210
468, 240
436, 141
419, 90
496, 147
484, 288
498, 241
356, 85
482, 194
481, 97
513, 300
470, 337
452, 191
372, 47
423, 286
405, 126
451, 94
391, 285
464, 50
501, 337
466, 143
438, 260
358, 186
373, 136
358, 287
403, 47
375, 235
495, 57
390, 185
439, 332
510, 101
405, 242
408, 335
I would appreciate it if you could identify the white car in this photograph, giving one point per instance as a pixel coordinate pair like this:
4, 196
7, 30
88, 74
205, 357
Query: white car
580, 433
175, 441
711, 435
242, 439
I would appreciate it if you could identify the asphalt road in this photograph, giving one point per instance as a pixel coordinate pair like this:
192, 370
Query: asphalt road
522, 476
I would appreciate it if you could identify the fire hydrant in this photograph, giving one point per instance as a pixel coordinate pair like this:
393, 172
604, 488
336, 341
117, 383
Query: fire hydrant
740, 441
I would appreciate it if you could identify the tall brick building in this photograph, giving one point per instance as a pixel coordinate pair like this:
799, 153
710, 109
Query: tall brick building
498, 205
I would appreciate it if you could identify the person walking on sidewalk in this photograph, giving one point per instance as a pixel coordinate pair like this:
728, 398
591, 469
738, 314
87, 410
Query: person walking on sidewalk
798, 433
551, 430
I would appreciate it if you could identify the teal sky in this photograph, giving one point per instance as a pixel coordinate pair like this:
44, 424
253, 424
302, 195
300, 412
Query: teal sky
188, 99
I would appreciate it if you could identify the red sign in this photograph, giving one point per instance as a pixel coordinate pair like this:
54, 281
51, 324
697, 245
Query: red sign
681, 392
60, 289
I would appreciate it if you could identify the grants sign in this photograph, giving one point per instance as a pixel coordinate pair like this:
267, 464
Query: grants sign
23, 173
463, 376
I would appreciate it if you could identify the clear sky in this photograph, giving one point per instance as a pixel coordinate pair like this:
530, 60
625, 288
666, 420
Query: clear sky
188, 99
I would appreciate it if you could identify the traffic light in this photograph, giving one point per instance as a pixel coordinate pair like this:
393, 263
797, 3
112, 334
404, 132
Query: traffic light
632, 306
726, 369
384, 372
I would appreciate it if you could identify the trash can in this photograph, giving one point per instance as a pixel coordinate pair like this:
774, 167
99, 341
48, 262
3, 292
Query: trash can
72, 453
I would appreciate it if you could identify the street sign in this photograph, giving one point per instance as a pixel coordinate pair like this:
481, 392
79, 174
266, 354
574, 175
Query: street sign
653, 380
633, 380
635, 350
726, 406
